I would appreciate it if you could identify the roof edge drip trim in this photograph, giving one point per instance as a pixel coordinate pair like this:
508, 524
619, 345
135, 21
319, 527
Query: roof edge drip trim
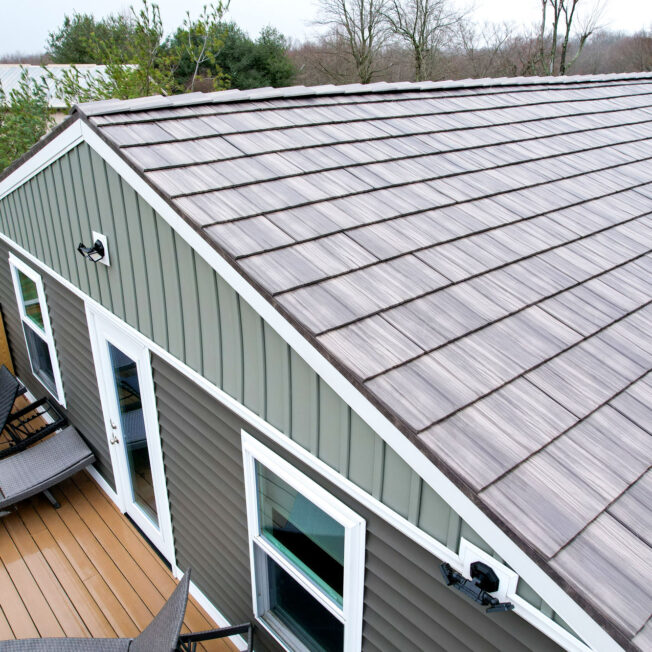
105, 107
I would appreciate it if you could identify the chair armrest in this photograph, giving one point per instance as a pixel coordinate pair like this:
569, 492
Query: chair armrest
26, 410
188, 642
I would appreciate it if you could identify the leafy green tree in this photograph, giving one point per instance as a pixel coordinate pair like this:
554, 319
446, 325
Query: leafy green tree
149, 66
73, 41
245, 63
24, 118
145, 68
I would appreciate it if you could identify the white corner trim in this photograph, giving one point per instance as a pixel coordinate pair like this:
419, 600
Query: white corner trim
56, 148
548, 626
532, 573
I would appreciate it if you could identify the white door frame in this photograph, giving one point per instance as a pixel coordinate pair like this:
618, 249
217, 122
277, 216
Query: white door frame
105, 328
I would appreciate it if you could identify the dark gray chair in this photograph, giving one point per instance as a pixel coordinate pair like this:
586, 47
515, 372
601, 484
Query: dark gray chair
28, 425
40, 467
10, 388
163, 634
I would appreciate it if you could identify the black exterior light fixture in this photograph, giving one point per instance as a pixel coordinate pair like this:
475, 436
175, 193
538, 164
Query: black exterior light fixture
483, 582
97, 252
94, 253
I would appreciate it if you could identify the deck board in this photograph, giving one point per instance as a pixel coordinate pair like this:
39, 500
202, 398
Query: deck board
55, 595
82, 570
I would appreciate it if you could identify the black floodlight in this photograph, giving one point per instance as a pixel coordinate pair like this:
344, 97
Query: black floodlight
94, 253
483, 582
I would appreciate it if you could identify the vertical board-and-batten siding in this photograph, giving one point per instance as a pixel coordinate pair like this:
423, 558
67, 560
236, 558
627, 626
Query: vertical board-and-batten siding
159, 285
407, 606
71, 338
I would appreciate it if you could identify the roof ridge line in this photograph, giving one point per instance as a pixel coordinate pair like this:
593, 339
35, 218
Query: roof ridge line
104, 107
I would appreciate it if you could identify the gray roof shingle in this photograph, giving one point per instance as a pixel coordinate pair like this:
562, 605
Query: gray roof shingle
476, 257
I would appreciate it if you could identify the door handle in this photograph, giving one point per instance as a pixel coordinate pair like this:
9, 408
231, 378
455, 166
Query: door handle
114, 440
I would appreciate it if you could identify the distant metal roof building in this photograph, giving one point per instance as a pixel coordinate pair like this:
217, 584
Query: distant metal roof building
10, 77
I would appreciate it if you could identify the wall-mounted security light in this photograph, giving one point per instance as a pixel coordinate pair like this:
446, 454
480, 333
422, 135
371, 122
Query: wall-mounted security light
483, 582
97, 252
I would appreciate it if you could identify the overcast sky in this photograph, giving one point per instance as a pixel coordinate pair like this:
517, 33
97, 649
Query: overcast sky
24, 24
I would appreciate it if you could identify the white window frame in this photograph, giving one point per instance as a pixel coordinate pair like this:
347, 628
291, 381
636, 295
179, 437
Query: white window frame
350, 613
46, 335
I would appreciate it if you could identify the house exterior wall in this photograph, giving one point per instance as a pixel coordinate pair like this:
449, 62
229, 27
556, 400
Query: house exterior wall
71, 338
407, 607
157, 284
160, 286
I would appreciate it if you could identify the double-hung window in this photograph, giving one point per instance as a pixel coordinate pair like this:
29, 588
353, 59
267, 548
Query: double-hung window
307, 556
37, 327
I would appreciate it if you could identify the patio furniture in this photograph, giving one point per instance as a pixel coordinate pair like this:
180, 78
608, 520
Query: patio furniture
161, 635
27, 425
40, 467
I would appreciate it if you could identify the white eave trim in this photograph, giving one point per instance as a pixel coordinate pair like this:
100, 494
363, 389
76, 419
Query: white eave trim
581, 622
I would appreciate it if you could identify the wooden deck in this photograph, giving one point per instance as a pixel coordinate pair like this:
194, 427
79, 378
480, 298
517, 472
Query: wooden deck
82, 570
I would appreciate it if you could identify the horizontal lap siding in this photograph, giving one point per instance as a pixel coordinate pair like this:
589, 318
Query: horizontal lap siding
203, 466
72, 343
407, 606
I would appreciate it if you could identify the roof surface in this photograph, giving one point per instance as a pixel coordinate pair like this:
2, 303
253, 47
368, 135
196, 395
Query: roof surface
10, 77
476, 257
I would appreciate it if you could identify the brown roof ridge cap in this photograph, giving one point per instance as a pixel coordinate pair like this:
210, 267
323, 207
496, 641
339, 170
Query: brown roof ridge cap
104, 107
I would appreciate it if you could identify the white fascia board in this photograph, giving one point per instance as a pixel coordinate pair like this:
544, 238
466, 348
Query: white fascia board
57, 147
581, 622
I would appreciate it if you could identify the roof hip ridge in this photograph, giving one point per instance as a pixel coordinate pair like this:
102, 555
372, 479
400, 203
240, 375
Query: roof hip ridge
104, 107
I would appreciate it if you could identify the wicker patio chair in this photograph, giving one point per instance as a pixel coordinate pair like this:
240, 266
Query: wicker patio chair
161, 635
10, 389
40, 467
28, 425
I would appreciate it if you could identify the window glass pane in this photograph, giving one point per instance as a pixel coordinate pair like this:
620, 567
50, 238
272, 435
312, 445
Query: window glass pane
306, 535
39, 355
297, 610
29, 293
132, 421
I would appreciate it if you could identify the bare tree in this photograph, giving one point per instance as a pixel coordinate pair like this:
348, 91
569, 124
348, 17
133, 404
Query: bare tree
424, 26
562, 18
361, 24
486, 49
587, 26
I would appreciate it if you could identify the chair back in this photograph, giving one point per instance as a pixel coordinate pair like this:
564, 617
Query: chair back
163, 632
8, 391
